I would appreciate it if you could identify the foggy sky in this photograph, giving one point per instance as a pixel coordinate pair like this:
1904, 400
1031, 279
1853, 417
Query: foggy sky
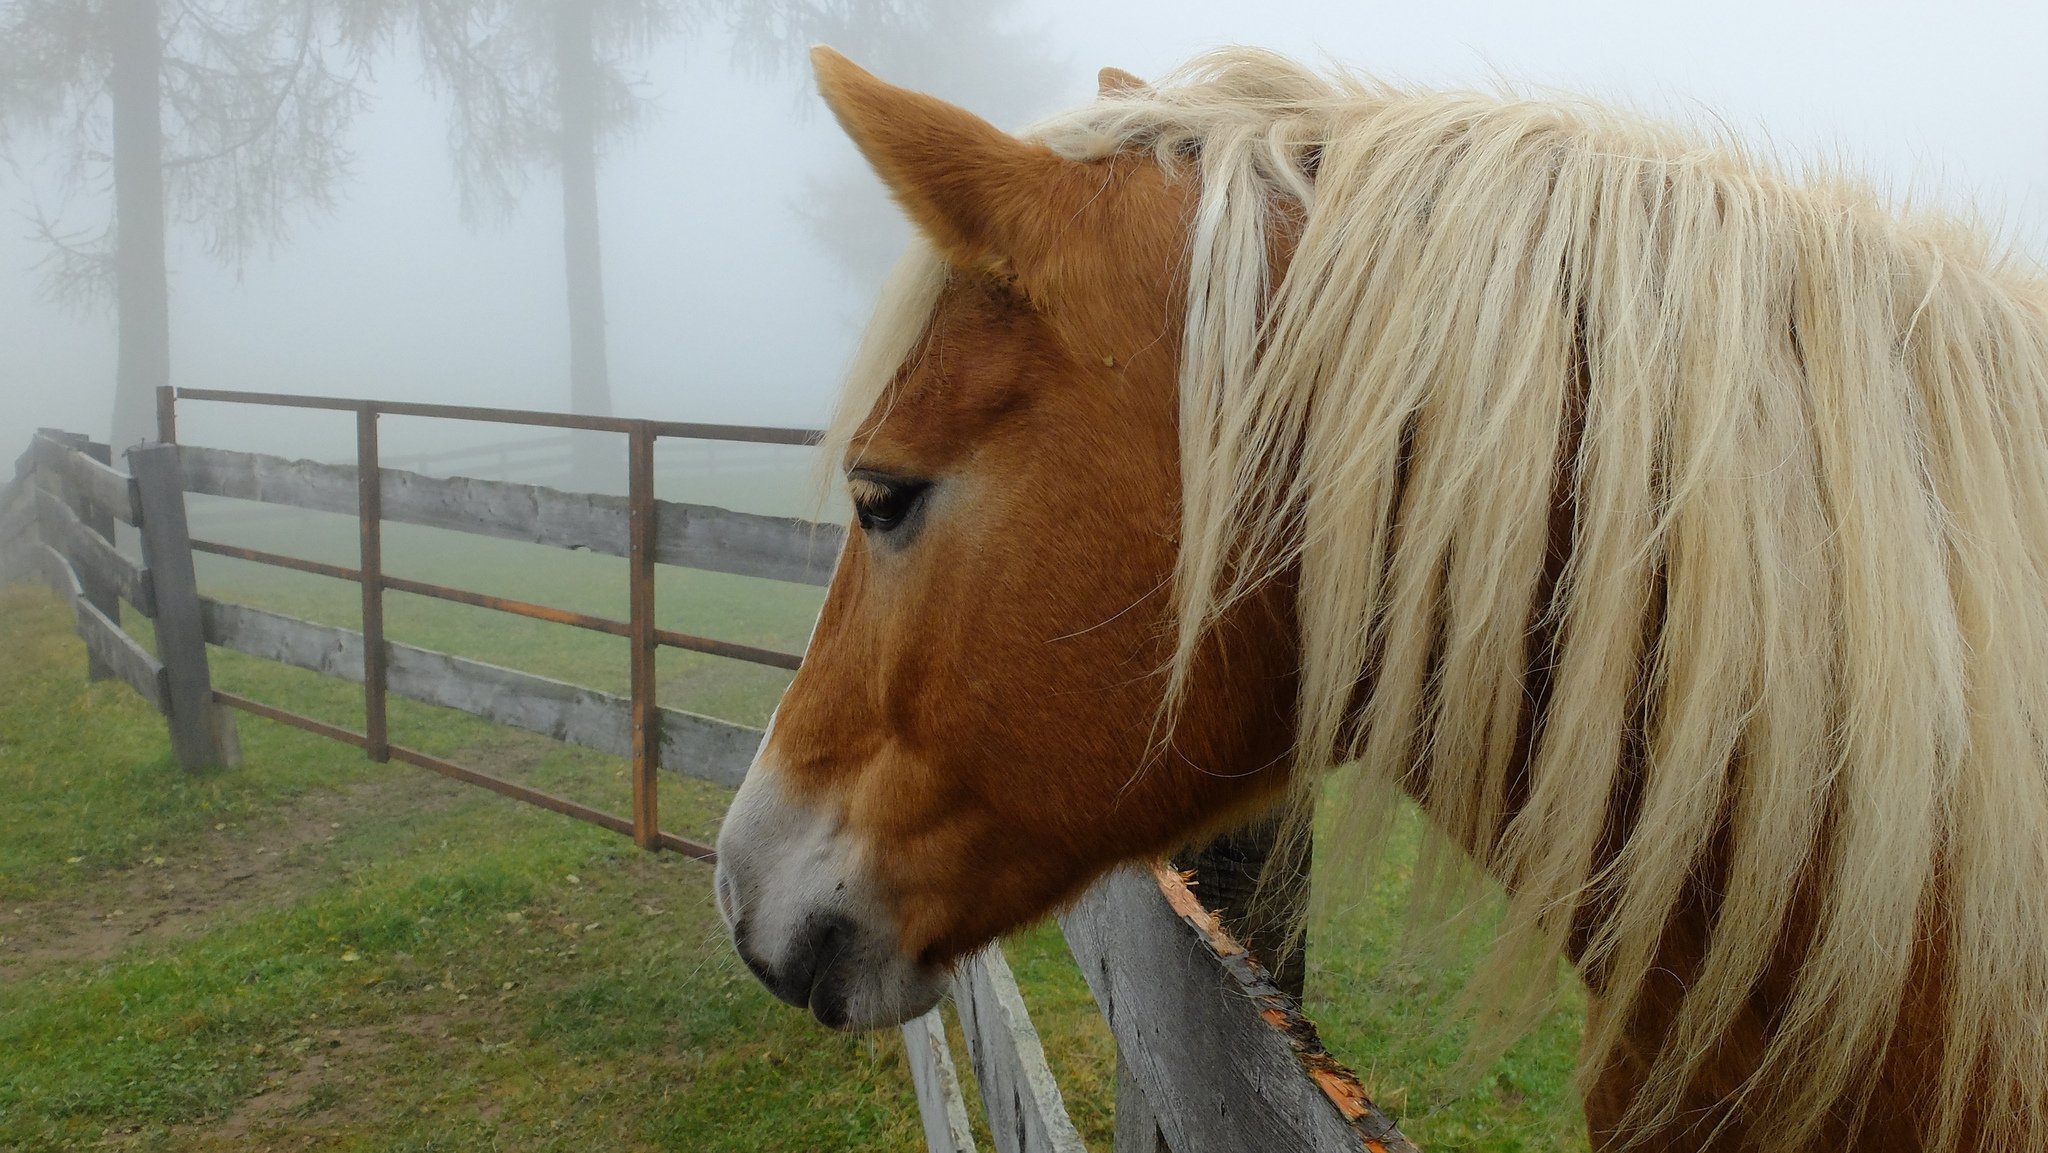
723, 307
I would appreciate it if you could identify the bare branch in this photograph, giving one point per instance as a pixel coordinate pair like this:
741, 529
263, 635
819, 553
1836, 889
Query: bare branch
77, 270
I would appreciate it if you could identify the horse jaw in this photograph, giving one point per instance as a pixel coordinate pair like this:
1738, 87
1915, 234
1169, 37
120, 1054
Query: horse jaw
807, 918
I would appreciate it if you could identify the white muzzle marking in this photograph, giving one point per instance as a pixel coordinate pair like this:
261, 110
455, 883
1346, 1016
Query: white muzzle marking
804, 914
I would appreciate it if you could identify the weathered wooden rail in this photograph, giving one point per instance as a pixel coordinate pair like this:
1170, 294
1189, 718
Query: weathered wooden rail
1212, 1054
551, 458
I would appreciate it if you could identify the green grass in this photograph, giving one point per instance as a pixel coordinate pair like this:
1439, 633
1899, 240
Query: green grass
336, 954
445, 971
1392, 1013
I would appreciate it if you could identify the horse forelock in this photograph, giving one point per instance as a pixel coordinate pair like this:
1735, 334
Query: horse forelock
1801, 622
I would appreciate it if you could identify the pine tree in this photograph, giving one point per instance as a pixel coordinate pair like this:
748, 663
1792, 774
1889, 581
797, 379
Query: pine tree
228, 116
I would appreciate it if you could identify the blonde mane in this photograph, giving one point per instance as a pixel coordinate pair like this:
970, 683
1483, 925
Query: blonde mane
1804, 616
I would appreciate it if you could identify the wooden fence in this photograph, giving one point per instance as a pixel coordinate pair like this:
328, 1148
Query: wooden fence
1212, 1054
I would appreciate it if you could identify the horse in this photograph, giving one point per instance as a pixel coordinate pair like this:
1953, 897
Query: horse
1672, 528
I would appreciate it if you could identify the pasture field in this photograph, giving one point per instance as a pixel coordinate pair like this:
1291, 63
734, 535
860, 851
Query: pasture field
312, 951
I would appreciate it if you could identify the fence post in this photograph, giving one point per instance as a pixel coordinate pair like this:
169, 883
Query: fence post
166, 414
370, 539
202, 733
640, 577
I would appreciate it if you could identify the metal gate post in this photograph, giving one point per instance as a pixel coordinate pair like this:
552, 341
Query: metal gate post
370, 539
646, 715
166, 414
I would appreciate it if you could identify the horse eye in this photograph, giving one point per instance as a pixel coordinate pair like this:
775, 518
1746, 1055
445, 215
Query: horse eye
883, 503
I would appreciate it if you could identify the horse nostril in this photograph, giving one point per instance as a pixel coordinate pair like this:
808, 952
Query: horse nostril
811, 956
763, 972
824, 938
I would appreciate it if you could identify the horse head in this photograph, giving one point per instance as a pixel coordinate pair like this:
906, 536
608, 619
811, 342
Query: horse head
978, 729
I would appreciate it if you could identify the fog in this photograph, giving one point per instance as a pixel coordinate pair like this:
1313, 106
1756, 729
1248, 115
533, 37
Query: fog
729, 301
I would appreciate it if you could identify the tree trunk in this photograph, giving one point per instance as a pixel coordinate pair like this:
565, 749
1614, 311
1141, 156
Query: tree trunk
141, 285
577, 102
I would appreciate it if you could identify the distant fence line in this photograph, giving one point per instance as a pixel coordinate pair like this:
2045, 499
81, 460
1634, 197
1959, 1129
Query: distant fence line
553, 457
1212, 1055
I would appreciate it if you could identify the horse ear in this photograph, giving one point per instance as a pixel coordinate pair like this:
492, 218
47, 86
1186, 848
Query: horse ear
984, 197
1113, 82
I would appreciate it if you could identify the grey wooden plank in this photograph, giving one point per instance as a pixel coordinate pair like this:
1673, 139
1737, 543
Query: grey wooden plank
568, 713
1224, 1060
1026, 1113
105, 487
18, 562
270, 479
102, 593
19, 542
686, 535
511, 511
692, 745
1137, 1127
122, 655
939, 1103
57, 572
324, 649
17, 507
97, 559
720, 540
198, 726
707, 748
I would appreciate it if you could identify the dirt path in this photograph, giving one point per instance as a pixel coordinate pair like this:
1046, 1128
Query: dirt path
181, 889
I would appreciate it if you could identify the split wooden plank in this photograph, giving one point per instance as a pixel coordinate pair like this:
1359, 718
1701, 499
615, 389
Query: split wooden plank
692, 745
123, 655
939, 1102
1026, 1113
1224, 1060
107, 488
686, 535
120, 653
96, 557
58, 574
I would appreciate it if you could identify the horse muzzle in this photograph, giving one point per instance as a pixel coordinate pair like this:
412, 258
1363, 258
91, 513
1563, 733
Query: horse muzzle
805, 916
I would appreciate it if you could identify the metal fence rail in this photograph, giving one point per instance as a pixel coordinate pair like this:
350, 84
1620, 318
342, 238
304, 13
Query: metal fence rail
639, 528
